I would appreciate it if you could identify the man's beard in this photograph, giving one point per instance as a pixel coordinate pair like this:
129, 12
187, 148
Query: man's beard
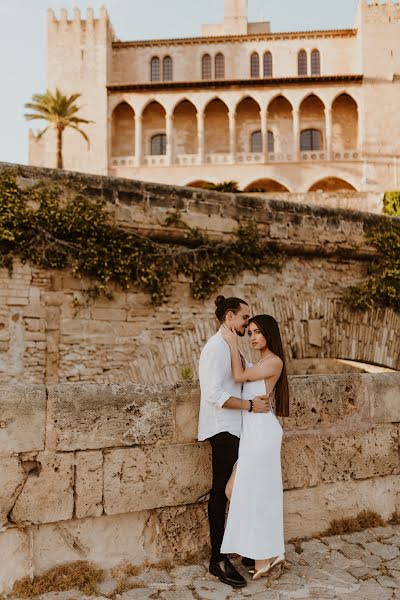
240, 333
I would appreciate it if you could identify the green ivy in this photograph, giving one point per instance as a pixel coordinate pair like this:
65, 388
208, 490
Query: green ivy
39, 225
391, 204
382, 288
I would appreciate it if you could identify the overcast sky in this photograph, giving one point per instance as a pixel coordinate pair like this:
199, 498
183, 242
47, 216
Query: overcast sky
23, 40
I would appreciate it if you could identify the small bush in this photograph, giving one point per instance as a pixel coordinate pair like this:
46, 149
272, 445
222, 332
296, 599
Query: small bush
187, 374
79, 575
395, 518
391, 204
364, 520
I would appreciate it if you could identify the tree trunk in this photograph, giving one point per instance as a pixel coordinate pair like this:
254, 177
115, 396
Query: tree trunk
59, 148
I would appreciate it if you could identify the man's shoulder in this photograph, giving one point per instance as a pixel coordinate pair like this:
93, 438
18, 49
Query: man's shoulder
213, 342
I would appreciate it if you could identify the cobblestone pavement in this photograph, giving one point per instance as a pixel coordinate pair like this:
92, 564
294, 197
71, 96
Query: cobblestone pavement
357, 566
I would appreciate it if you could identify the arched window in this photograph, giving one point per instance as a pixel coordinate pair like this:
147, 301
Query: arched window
310, 139
158, 144
268, 64
254, 66
219, 72
256, 142
206, 71
167, 68
271, 142
155, 74
315, 62
302, 63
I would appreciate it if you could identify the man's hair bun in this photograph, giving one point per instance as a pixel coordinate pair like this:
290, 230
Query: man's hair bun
219, 300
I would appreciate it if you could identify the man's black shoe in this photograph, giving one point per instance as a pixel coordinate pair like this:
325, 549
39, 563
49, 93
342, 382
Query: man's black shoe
226, 572
248, 562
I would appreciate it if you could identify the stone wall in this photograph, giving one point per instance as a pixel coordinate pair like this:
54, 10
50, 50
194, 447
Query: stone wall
50, 333
114, 472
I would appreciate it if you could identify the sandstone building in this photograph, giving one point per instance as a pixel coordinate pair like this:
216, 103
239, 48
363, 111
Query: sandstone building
296, 112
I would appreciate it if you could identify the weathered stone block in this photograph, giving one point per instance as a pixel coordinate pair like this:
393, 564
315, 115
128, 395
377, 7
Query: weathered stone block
89, 484
47, 495
12, 477
324, 400
183, 531
143, 478
187, 413
22, 418
14, 563
309, 460
107, 541
90, 416
308, 512
385, 389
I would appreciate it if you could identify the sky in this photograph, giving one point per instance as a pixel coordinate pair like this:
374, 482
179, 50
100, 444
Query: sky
23, 54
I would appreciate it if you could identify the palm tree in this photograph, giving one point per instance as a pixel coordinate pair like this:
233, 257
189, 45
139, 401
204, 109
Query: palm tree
60, 112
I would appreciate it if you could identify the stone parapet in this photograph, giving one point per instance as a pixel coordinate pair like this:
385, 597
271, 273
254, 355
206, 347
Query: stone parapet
114, 472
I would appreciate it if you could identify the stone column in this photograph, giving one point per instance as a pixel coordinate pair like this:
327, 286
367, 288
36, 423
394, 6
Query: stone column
296, 133
138, 139
200, 138
264, 134
169, 129
328, 130
232, 135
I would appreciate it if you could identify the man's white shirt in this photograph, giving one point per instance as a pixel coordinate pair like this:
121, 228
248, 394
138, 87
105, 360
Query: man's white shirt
217, 386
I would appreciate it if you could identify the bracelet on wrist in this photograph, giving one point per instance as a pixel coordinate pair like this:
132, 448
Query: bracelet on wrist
251, 406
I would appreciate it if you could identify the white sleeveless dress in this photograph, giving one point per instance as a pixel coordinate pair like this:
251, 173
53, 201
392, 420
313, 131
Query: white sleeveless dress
254, 526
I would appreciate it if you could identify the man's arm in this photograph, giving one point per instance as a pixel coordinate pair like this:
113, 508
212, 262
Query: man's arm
213, 370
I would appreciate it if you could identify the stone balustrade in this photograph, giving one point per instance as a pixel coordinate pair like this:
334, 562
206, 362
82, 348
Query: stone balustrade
114, 472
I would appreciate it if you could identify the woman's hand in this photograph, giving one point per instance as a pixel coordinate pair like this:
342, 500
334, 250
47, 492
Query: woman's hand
230, 336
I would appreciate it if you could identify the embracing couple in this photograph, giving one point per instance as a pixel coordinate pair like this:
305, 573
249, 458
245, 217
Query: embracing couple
239, 404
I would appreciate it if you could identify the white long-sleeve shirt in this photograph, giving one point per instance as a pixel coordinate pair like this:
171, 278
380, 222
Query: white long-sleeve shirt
217, 386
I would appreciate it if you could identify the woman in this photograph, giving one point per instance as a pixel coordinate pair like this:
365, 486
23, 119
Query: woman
254, 527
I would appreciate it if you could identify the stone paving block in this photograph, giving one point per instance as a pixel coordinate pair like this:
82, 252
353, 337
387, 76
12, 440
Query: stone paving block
137, 594
185, 574
384, 551
22, 418
89, 484
94, 416
47, 495
212, 590
143, 478
180, 593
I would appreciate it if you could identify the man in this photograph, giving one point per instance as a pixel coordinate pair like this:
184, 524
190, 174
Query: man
220, 422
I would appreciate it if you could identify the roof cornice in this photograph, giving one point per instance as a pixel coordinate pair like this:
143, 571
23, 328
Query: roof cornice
260, 37
232, 83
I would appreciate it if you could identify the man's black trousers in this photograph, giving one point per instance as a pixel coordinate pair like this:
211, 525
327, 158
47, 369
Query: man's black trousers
225, 447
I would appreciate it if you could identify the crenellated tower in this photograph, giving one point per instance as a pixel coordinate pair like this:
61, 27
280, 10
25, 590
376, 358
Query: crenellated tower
79, 61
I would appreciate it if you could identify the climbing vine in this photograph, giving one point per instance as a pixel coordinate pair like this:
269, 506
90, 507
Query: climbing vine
41, 226
382, 287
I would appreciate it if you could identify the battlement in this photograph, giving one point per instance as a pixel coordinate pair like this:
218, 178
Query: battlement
385, 11
77, 23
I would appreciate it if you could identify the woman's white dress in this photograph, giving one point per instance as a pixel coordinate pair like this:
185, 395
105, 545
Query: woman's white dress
254, 526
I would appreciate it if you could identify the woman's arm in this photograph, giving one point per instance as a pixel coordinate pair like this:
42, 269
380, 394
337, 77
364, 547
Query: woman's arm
268, 368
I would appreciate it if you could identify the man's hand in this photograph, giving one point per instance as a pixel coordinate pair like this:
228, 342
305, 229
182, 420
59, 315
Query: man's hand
261, 404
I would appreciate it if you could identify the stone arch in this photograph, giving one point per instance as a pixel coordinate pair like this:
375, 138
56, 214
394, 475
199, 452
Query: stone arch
185, 128
266, 185
247, 121
153, 123
280, 123
123, 130
216, 127
332, 184
344, 123
312, 116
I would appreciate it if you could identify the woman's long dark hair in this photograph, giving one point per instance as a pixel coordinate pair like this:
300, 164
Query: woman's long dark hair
270, 330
